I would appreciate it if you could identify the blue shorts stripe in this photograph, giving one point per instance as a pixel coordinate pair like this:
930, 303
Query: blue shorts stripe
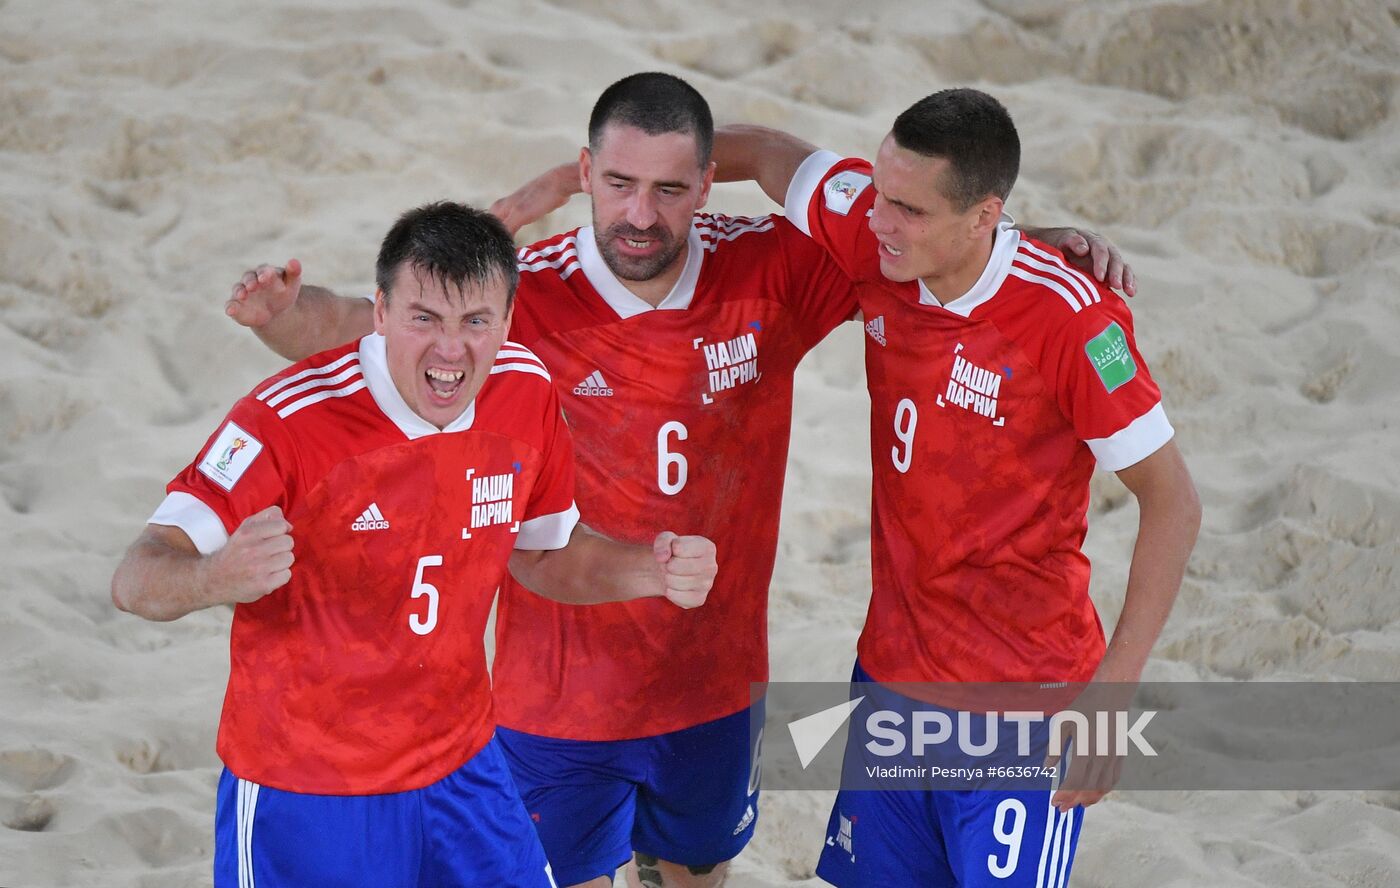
467, 829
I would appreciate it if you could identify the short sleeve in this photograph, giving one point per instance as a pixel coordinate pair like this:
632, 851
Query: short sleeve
1105, 389
830, 200
818, 292
551, 514
242, 469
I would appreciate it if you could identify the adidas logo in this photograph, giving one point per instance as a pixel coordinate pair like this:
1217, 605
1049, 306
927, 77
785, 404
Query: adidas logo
876, 329
371, 519
594, 386
745, 820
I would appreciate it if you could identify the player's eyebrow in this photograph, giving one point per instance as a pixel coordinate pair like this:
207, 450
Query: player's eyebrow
610, 174
420, 308
904, 205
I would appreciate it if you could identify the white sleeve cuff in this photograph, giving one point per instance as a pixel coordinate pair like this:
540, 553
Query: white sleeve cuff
199, 522
370, 296
547, 531
1134, 442
804, 184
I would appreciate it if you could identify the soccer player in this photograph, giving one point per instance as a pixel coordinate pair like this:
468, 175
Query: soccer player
999, 376
672, 336
406, 470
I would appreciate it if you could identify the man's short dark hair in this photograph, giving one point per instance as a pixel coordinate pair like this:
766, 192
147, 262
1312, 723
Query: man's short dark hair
656, 104
974, 133
454, 244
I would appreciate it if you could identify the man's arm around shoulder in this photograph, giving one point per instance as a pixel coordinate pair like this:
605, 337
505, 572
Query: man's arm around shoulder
756, 153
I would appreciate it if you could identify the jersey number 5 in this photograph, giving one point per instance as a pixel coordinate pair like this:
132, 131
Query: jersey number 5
671, 467
422, 625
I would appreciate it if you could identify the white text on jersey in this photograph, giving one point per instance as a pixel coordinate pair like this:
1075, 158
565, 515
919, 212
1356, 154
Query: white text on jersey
732, 363
370, 519
491, 499
973, 388
594, 386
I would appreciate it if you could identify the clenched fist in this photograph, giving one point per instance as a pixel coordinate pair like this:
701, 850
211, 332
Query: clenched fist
256, 560
688, 567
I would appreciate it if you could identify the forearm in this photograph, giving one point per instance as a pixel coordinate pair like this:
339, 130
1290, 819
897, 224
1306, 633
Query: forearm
591, 569
1169, 519
318, 320
158, 582
538, 197
561, 183
755, 153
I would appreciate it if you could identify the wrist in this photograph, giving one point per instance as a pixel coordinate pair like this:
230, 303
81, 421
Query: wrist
566, 181
203, 584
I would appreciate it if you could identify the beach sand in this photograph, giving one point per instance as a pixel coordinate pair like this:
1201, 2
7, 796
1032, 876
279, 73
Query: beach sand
1244, 153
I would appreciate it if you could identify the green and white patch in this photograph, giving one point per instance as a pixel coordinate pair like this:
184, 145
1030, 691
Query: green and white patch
1111, 357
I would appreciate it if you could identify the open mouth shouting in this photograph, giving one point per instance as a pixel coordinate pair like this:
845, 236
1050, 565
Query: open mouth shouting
444, 383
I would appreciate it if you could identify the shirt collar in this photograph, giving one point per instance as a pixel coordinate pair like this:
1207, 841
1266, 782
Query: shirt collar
624, 301
1008, 240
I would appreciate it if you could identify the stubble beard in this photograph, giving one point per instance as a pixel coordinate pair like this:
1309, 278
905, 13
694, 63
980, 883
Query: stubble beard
629, 268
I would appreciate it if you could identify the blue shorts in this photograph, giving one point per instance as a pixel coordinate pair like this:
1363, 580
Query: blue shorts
689, 797
467, 829
1007, 838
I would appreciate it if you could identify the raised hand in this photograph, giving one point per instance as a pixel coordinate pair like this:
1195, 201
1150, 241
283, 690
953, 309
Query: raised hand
263, 293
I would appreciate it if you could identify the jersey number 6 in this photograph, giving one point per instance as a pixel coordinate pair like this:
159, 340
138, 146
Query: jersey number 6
425, 624
666, 460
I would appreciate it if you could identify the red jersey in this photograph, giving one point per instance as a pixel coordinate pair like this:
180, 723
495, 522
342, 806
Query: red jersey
988, 414
681, 418
366, 673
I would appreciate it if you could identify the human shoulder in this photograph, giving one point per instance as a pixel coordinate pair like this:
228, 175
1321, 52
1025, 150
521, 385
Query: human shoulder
1042, 285
518, 397
518, 366
556, 255
329, 375
743, 241
717, 230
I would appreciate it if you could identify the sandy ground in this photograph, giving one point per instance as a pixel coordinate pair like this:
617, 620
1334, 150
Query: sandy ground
1245, 153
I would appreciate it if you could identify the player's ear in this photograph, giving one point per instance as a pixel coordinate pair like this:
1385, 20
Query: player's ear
381, 311
585, 169
987, 215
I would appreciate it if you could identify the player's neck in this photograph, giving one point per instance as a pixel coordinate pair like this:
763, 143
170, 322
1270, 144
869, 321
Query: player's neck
654, 291
947, 286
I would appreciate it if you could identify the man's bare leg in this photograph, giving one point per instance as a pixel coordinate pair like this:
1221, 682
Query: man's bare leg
645, 871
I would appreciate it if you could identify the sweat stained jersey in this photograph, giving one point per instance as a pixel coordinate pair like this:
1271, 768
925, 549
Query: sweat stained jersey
988, 415
681, 417
366, 673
